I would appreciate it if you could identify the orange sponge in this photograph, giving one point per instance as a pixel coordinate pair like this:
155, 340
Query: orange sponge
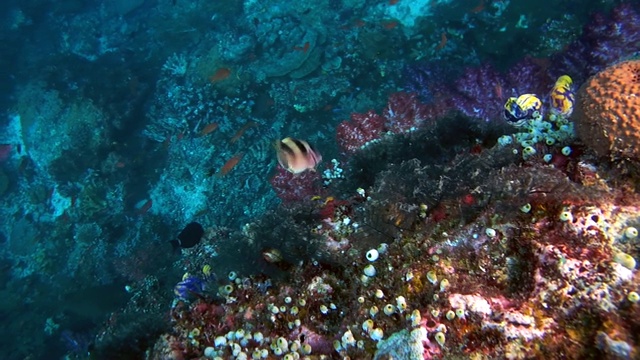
607, 115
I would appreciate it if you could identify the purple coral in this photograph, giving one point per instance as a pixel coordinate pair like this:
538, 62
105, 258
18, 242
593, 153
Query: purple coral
528, 76
478, 93
481, 92
604, 41
427, 79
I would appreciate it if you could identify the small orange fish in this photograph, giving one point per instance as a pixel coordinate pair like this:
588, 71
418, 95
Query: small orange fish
443, 41
303, 48
390, 24
241, 132
220, 75
478, 8
229, 165
208, 129
145, 207
393, 2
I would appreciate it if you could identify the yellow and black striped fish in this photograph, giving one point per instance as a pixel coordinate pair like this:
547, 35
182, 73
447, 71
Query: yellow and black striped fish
524, 107
562, 97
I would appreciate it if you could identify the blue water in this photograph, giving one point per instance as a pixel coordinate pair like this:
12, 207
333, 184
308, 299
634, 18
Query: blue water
123, 121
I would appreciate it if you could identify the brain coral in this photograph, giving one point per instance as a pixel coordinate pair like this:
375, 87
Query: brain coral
607, 115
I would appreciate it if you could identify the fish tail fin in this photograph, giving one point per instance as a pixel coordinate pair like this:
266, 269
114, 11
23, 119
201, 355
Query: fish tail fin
176, 246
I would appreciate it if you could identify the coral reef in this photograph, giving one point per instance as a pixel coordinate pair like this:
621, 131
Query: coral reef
360, 130
404, 112
605, 40
295, 187
608, 111
434, 229
479, 250
480, 91
482, 253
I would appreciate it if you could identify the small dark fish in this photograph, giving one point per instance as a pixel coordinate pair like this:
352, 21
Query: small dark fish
189, 237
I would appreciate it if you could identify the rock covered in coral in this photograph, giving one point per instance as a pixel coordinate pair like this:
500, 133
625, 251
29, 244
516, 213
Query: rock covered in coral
290, 48
480, 254
403, 345
404, 112
608, 113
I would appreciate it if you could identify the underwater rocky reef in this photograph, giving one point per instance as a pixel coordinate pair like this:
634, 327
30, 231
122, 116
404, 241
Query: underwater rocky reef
449, 180
462, 245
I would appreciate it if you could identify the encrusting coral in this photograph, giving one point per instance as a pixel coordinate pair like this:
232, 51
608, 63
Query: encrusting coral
607, 115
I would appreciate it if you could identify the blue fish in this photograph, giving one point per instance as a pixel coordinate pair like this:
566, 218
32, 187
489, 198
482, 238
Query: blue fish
190, 288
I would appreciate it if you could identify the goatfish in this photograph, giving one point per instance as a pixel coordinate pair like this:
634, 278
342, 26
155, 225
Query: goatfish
297, 156
562, 96
524, 107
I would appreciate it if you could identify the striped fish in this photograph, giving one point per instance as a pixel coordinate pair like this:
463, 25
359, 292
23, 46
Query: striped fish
562, 96
297, 156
